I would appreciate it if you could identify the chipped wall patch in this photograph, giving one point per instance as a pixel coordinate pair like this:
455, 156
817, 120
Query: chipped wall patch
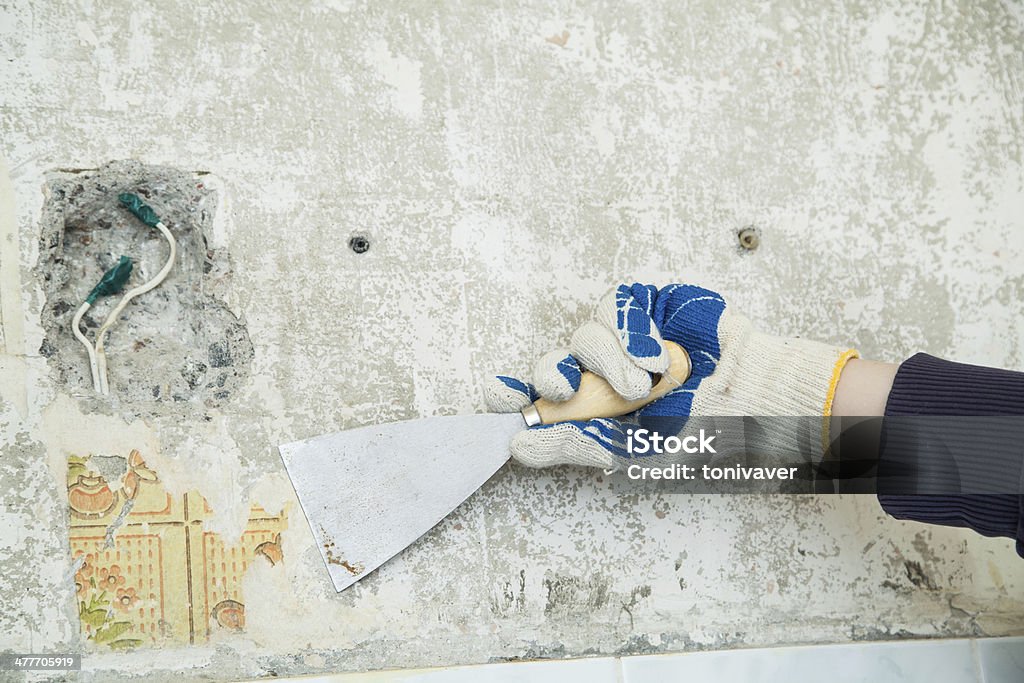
175, 344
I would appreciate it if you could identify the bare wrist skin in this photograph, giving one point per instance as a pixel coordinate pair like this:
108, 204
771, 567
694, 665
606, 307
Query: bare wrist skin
863, 388
857, 407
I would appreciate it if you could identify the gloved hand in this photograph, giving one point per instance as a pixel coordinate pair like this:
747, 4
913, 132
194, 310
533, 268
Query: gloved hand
736, 371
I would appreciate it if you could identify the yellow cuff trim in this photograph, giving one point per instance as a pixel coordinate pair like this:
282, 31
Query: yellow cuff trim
834, 382
826, 412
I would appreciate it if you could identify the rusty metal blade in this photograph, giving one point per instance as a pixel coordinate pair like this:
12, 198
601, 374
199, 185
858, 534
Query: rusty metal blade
368, 493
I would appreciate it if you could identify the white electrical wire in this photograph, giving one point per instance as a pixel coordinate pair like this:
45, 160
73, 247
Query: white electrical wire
75, 322
101, 356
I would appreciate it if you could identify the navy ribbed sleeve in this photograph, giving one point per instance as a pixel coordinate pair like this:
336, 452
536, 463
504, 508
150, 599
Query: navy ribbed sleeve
929, 386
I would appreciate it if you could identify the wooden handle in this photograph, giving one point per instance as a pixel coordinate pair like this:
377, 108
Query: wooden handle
596, 398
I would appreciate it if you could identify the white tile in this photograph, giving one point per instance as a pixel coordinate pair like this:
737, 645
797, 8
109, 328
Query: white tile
595, 670
934, 661
1002, 659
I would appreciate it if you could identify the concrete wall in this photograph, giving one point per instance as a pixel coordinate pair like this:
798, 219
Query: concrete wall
507, 163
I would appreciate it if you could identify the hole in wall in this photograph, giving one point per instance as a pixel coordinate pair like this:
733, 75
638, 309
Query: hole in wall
178, 343
749, 238
359, 244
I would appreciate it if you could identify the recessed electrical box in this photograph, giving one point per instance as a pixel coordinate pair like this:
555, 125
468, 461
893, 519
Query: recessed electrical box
175, 342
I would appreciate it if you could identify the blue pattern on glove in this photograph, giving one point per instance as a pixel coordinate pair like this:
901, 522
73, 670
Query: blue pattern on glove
523, 388
687, 315
607, 433
569, 368
634, 306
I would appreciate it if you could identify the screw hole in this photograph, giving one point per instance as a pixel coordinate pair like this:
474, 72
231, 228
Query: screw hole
749, 238
359, 244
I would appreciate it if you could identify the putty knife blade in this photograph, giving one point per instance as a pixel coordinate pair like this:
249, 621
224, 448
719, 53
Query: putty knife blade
370, 492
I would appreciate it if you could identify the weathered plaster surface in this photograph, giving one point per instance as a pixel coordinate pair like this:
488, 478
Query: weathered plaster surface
508, 162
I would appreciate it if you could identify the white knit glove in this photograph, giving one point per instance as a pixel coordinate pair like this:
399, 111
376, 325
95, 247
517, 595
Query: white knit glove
737, 371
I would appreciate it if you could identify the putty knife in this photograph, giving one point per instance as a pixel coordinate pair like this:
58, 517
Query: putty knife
368, 493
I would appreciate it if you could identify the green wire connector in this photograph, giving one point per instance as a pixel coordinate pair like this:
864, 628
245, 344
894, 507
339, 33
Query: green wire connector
138, 207
113, 280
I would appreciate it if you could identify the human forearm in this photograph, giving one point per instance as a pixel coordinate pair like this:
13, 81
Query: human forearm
863, 388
